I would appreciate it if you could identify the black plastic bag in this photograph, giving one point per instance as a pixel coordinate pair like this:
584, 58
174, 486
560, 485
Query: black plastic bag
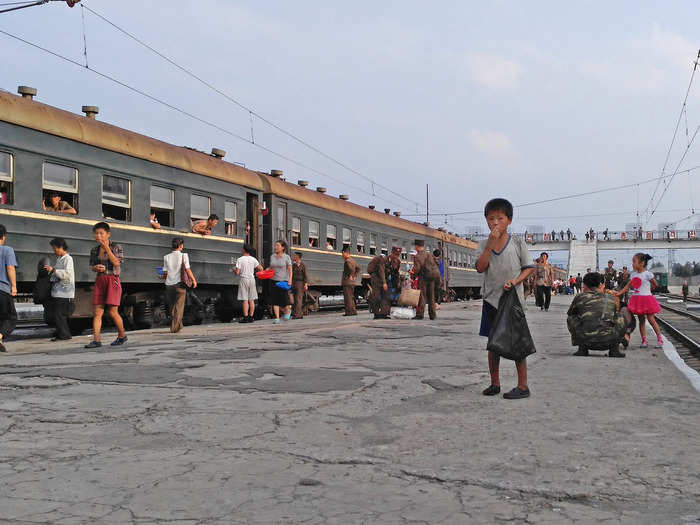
42, 286
510, 336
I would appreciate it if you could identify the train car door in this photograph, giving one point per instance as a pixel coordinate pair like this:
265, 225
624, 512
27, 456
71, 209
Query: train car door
252, 219
274, 224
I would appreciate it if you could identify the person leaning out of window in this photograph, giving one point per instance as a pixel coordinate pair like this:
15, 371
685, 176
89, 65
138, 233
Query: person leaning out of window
57, 205
62, 277
204, 227
175, 290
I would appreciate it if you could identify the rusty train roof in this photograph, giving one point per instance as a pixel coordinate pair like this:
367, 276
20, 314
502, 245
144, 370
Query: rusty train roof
48, 119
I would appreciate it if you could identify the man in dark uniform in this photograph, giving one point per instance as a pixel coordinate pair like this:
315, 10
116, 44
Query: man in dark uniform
610, 275
622, 279
426, 269
300, 283
380, 299
350, 271
393, 272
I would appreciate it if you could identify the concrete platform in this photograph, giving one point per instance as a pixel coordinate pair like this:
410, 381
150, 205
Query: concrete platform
344, 420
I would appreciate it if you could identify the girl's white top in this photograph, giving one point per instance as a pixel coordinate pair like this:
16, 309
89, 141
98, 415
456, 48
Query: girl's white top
645, 287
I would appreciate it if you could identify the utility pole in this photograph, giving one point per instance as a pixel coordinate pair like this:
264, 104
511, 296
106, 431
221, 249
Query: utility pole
427, 205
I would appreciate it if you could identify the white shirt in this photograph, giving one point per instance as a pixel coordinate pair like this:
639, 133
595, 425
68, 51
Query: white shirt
172, 264
63, 278
247, 265
645, 287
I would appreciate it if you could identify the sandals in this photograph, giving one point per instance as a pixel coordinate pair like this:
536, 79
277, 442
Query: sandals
645, 344
659, 343
492, 390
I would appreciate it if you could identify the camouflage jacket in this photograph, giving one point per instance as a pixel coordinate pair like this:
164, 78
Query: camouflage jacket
593, 319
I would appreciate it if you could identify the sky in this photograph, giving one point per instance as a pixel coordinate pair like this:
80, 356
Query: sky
525, 100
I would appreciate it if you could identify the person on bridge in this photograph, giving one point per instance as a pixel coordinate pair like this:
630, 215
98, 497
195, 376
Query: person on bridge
642, 303
505, 263
594, 321
544, 279
579, 283
568, 234
561, 235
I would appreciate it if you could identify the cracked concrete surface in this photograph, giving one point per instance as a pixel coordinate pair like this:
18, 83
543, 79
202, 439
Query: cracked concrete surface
333, 420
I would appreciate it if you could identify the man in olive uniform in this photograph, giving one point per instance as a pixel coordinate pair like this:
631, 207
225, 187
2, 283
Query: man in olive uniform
300, 283
610, 275
393, 272
593, 319
350, 271
544, 279
425, 267
380, 299
622, 279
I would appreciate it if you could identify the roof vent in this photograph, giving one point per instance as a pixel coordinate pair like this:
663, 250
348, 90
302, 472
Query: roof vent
441, 229
276, 173
426, 223
218, 153
397, 213
344, 197
27, 92
321, 189
303, 183
450, 233
371, 206
90, 111
387, 210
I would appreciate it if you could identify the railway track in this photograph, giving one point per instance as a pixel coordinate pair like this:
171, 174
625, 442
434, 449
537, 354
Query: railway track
684, 327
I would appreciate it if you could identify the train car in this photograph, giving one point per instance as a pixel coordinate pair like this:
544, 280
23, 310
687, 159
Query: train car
661, 279
110, 174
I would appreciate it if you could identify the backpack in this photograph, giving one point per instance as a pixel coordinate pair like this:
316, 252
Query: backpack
430, 268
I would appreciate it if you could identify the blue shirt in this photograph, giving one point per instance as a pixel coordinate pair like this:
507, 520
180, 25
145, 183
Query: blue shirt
441, 266
7, 258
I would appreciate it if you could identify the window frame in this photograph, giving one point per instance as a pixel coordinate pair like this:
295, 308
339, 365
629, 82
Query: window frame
332, 240
357, 242
170, 209
295, 232
318, 234
231, 220
9, 179
58, 187
194, 218
372, 243
348, 244
114, 203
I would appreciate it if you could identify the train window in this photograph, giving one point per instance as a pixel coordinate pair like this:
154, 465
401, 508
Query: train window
6, 178
162, 204
373, 244
116, 198
331, 241
282, 222
404, 253
347, 238
61, 180
385, 249
313, 234
296, 231
200, 208
231, 218
360, 242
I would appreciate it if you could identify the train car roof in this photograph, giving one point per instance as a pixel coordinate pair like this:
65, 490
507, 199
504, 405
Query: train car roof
31, 114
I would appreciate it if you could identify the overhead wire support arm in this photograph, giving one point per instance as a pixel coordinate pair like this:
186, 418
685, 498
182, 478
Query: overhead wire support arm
24, 5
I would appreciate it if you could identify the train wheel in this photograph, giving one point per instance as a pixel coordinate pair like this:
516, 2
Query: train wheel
225, 307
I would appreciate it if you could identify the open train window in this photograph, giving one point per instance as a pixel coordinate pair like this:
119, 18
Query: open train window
6, 178
60, 180
163, 204
331, 233
385, 249
404, 253
373, 244
360, 242
296, 231
313, 234
231, 218
282, 221
200, 208
116, 198
347, 238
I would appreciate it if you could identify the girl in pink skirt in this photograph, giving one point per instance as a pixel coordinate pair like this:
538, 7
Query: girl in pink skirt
642, 303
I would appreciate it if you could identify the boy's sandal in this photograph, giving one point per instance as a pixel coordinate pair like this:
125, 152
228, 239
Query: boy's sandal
626, 340
516, 393
492, 390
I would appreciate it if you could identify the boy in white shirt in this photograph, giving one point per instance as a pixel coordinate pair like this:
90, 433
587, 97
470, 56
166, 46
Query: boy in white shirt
175, 290
246, 266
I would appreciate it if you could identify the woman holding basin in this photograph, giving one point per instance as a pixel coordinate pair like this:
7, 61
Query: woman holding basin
281, 282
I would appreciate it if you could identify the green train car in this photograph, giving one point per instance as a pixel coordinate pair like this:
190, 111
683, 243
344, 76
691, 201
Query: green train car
662, 282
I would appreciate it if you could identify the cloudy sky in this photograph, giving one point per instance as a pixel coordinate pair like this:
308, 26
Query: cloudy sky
527, 100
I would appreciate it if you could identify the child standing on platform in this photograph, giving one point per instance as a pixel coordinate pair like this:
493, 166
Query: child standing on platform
505, 263
642, 303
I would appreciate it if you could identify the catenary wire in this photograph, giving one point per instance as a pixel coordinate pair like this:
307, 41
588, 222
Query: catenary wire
564, 197
190, 115
251, 111
675, 133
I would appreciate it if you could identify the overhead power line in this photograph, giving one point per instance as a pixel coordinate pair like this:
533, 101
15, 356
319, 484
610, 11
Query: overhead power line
190, 115
563, 197
250, 110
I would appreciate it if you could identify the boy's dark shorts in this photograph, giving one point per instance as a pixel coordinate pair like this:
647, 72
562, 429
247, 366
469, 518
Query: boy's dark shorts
488, 314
